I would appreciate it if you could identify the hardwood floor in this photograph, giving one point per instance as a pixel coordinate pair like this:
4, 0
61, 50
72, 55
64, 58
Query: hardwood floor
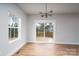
43, 49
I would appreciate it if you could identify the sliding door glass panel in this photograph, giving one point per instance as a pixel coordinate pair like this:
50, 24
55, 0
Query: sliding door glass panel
49, 30
40, 31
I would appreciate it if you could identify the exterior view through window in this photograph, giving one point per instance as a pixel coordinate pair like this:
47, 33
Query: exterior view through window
14, 27
44, 31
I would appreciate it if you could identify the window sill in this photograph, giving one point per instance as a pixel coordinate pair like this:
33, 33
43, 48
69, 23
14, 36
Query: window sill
12, 41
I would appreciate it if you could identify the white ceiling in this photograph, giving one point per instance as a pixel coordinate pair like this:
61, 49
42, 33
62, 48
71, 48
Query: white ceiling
35, 8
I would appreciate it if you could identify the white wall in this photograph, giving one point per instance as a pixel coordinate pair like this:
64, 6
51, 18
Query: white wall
7, 48
66, 29
78, 30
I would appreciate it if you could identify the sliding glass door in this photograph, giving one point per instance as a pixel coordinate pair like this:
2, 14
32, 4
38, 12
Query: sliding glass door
44, 31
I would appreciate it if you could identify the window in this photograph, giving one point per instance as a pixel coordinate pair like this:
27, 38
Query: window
14, 27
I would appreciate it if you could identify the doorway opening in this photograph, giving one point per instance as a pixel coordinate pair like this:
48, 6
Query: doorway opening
45, 32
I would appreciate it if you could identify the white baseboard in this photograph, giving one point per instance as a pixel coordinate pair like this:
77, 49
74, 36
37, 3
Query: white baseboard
72, 43
14, 51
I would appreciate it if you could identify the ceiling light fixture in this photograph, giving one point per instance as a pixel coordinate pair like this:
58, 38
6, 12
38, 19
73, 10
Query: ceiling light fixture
46, 13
